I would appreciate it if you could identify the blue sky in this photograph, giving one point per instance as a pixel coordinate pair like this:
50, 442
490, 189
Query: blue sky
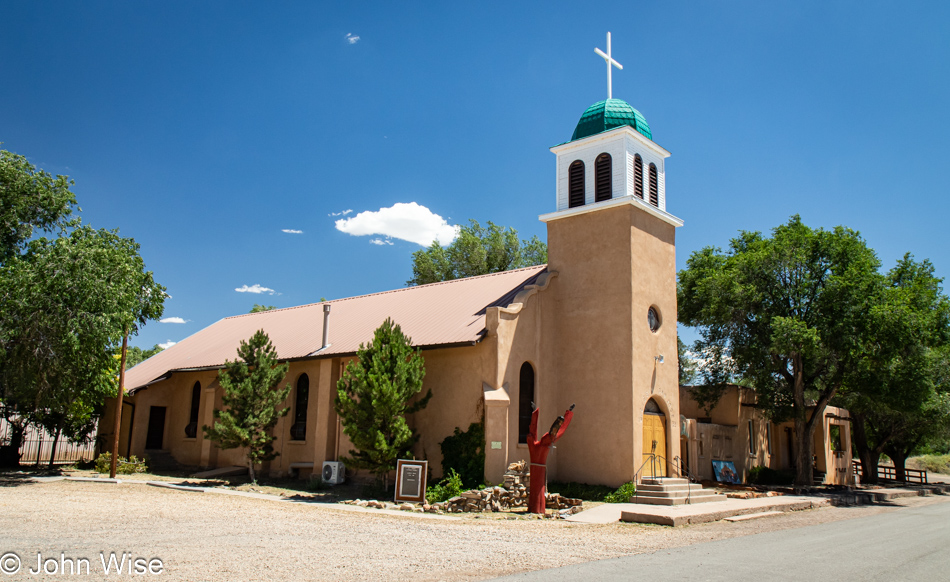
205, 131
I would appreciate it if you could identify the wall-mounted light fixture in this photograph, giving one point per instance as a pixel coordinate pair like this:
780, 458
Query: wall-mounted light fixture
658, 359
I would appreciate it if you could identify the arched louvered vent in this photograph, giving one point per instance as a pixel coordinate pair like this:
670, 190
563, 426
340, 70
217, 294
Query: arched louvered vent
638, 175
654, 190
602, 178
575, 187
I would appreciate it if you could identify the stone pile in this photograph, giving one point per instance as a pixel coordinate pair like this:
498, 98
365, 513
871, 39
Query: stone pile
513, 493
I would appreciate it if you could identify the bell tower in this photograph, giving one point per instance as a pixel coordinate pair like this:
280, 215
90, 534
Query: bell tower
613, 245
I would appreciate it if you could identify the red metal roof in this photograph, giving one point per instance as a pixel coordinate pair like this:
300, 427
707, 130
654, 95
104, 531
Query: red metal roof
450, 312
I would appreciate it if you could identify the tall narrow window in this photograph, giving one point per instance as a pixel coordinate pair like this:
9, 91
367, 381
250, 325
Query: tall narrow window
298, 431
575, 187
525, 398
768, 437
602, 178
638, 175
654, 189
191, 429
751, 439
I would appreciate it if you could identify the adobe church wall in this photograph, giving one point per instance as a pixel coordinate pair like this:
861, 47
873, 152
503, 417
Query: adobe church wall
521, 336
455, 376
613, 264
591, 312
653, 268
175, 395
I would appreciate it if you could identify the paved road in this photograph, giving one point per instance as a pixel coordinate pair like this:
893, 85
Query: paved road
907, 544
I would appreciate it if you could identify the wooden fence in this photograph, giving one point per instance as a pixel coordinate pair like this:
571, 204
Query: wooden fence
889, 473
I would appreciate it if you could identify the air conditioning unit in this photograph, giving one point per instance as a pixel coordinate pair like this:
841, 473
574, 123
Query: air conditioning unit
333, 472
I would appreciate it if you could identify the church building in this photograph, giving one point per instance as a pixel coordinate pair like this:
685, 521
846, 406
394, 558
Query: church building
595, 327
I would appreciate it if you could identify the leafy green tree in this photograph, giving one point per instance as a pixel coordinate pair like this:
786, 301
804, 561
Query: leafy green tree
66, 304
896, 389
373, 398
476, 250
687, 367
30, 200
136, 355
787, 314
930, 422
252, 401
258, 308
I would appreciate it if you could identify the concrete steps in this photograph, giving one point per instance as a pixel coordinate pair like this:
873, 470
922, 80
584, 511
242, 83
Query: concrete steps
161, 460
672, 491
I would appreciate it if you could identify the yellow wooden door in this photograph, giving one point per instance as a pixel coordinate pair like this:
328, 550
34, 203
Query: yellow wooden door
654, 431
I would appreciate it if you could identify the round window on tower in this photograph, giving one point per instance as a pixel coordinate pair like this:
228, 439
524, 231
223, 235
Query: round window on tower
653, 319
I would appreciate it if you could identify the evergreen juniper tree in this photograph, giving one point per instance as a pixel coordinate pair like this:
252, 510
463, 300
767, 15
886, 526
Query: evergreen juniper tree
252, 401
373, 399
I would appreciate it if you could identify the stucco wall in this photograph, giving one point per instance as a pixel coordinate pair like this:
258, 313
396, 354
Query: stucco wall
730, 420
613, 264
454, 375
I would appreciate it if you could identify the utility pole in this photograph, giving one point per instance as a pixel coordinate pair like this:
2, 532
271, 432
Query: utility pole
118, 405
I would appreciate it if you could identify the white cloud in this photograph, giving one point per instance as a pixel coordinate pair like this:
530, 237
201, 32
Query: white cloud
344, 213
173, 320
410, 222
380, 241
255, 288
167, 344
350, 38
291, 231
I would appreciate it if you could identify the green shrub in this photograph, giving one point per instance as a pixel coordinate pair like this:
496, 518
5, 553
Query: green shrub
123, 466
316, 483
931, 463
465, 453
760, 475
445, 489
580, 490
622, 494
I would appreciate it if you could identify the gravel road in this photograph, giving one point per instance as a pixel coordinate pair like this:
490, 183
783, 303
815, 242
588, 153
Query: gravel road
207, 536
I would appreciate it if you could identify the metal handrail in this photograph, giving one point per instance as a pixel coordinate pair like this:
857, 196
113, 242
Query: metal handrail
678, 467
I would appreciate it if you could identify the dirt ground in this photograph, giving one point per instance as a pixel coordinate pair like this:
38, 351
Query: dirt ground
210, 536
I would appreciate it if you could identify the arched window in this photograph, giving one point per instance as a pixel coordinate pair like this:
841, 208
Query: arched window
525, 398
575, 188
638, 175
191, 429
602, 178
298, 431
654, 189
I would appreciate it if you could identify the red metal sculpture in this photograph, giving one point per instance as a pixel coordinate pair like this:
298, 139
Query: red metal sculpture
539, 449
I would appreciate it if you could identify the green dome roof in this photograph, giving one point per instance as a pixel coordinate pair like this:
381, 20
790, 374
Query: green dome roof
606, 115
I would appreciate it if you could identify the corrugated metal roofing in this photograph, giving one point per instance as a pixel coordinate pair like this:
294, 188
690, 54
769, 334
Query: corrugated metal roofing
451, 312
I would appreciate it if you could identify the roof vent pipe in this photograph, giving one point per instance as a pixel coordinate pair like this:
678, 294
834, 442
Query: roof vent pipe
326, 325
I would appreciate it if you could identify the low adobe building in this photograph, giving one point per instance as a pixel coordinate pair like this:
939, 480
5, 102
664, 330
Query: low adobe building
737, 430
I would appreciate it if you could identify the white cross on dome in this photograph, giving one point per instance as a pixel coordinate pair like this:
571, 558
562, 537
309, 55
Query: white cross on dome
610, 63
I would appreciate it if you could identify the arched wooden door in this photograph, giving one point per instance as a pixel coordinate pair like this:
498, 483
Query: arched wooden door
654, 440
